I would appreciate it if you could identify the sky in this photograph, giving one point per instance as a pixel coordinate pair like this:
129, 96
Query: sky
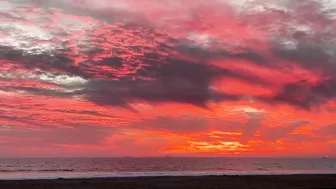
178, 77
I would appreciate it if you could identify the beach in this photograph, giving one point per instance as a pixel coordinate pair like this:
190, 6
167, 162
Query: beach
183, 182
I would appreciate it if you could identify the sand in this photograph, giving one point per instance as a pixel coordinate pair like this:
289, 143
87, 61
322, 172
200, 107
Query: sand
200, 182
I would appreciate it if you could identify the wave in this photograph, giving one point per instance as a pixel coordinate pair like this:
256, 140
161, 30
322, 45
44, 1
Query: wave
36, 170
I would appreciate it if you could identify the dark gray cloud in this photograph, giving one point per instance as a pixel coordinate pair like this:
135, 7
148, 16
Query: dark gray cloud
312, 48
54, 61
280, 132
171, 79
242, 53
175, 81
306, 95
310, 54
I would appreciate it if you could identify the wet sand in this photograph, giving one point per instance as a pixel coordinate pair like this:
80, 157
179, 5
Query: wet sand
200, 182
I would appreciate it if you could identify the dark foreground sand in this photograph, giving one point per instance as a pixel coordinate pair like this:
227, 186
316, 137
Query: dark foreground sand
201, 182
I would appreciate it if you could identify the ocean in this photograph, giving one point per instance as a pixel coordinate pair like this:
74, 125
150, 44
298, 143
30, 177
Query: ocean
53, 168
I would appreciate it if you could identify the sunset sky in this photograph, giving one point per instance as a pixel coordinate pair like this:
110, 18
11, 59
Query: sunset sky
158, 77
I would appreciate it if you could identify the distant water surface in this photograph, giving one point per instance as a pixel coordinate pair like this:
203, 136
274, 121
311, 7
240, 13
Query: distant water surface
49, 168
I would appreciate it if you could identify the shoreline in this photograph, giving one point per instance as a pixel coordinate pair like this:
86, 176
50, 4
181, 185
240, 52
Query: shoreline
12, 176
295, 181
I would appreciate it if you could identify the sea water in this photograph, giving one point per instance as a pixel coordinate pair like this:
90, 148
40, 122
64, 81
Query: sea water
52, 168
